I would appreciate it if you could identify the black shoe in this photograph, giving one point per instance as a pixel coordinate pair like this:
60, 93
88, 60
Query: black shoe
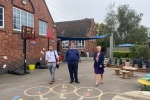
77, 82
71, 81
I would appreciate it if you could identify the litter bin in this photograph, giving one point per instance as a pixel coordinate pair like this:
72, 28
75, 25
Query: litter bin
31, 66
148, 63
120, 62
138, 62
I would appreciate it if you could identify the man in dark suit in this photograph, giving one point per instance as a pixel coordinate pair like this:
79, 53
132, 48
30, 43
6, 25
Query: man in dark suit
72, 58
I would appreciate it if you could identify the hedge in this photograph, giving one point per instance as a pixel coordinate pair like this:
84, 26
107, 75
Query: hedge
121, 54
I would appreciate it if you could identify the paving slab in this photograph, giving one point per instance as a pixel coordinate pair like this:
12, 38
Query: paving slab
35, 86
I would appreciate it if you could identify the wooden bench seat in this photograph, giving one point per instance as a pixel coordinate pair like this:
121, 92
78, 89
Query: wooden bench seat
125, 74
117, 71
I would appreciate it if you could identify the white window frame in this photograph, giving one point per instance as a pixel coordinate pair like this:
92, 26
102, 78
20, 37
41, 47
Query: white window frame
76, 46
63, 42
3, 17
82, 46
42, 30
20, 18
94, 39
91, 37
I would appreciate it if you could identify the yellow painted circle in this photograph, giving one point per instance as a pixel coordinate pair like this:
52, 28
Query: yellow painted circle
88, 88
62, 85
25, 92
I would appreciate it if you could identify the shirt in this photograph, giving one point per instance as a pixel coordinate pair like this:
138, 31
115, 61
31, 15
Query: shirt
72, 56
50, 56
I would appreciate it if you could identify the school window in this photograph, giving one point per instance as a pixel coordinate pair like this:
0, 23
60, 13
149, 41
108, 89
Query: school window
65, 44
91, 37
80, 44
94, 39
21, 18
1, 17
42, 28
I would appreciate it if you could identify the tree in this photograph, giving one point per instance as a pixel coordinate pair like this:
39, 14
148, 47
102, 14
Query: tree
124, 23
112, 22
128, 21
102, 29
138, 36
110, 18
140, 51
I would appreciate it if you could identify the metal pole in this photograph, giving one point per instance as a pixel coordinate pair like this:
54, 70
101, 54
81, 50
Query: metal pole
24, 51
111, 45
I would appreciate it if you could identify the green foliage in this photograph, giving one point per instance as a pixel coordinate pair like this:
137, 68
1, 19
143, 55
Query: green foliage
102, 29
120, 54
141, 51
129, 25
124, 23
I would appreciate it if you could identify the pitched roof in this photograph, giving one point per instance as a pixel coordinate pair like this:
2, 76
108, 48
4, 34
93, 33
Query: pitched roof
77, 28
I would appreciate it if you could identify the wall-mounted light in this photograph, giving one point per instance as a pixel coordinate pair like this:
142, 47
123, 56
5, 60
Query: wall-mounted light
54, 25
24, 2
5, 57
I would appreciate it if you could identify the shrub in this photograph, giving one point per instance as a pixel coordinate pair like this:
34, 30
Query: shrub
139, 51
121, 54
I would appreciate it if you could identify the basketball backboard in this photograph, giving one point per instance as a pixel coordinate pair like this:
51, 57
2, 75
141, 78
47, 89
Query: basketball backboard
27, 32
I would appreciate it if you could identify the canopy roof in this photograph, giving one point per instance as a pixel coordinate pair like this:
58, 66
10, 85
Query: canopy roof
88, 38
125, 45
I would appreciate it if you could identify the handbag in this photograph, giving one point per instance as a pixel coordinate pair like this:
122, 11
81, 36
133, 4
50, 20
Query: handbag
57, 65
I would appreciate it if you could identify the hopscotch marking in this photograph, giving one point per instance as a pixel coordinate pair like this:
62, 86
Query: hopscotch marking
87, 94
64, 88
37, 88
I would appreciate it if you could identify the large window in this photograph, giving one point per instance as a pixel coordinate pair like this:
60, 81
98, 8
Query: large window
21, 17
42, 28
65, 44
1, 17
78, 44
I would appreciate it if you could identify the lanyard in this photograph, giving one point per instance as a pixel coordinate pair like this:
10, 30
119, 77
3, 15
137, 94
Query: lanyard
50, 53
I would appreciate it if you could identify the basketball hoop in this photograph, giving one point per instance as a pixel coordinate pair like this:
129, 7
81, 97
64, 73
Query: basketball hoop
33, 41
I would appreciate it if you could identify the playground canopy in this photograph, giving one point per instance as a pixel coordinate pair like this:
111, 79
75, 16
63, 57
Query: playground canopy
125, 45
76, 38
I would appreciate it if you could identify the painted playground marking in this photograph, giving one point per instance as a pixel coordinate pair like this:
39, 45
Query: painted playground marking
38, 90
64, 89
3, 85
88, 92
107, 93
61, 89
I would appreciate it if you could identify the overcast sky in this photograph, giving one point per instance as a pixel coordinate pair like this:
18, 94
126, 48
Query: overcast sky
65, 10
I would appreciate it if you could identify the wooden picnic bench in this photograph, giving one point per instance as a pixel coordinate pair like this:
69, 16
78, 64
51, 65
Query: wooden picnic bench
131, 70
117, 71
125, 74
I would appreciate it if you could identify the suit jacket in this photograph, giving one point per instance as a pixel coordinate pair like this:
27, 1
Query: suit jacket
101, 60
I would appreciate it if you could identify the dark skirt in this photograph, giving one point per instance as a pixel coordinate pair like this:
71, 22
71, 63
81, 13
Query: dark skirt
98, 70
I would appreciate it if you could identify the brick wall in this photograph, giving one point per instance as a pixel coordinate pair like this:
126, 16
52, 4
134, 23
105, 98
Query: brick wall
10, 40
89, 45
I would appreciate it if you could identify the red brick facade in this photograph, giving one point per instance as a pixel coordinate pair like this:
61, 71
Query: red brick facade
89, 45
10, 40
